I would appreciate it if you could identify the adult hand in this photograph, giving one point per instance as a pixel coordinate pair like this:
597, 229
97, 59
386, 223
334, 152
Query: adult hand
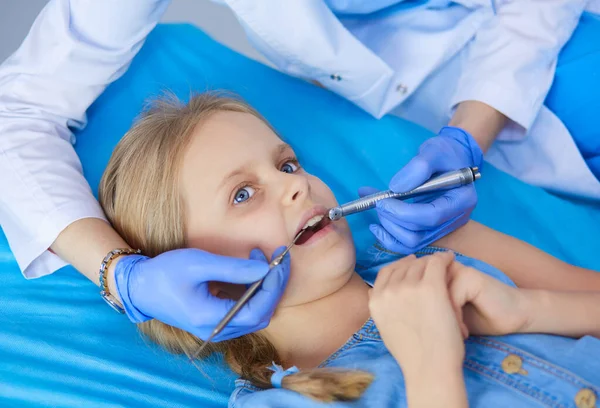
406, 228
173, 288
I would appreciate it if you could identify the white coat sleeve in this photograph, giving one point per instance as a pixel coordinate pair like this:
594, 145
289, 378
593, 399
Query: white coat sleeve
74, 50
305, 39
511, 61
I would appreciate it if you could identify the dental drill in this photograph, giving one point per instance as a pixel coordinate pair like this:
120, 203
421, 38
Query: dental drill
445, 181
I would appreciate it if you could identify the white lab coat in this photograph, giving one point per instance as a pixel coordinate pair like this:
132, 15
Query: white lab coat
418, 62
419, 59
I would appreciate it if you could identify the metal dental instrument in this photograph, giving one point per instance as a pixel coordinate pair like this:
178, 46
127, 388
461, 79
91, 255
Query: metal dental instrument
445, 181
250, 291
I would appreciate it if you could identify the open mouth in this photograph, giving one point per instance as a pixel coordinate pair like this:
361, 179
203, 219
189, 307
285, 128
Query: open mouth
313, 226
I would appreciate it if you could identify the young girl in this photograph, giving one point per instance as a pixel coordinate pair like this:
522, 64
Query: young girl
214, 175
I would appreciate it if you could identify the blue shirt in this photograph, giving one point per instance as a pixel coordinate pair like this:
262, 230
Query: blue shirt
520, 370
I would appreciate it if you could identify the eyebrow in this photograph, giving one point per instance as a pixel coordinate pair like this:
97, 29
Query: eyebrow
278, 151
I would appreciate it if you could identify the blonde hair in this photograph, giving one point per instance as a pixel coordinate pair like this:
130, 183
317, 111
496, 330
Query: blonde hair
140, 196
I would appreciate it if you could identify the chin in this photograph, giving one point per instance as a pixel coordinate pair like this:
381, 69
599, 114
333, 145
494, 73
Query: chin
319, 273
330, 254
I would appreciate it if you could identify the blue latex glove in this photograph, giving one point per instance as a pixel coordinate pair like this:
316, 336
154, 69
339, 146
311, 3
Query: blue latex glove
406, 228
173, 288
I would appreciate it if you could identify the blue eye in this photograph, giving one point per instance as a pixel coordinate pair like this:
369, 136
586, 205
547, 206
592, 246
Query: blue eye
289, 167
243, 194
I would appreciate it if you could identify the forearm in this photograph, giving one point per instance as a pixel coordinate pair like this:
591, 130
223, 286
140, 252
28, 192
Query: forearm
428, 387
85, 243
524, 264
73, 51
482, 121
563, 313
431, 374
511, 61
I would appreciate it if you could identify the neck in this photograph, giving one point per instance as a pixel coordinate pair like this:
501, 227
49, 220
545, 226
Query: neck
307, 334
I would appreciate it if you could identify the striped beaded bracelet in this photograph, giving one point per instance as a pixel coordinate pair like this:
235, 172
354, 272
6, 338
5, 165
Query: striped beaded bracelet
104, 292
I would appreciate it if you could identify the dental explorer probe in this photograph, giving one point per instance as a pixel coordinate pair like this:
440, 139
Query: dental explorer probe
445, 181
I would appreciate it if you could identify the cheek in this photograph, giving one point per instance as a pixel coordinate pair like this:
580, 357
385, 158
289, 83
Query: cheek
236, 236
321, 193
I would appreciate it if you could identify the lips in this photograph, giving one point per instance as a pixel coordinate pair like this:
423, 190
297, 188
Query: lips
319, 225
316, 210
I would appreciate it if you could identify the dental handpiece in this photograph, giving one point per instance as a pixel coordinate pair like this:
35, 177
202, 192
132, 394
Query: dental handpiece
445, 181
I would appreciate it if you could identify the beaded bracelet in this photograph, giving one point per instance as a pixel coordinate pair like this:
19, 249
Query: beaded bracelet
104, 292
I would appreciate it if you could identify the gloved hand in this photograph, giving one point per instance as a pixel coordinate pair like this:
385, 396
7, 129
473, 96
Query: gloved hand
173, 288
406, 228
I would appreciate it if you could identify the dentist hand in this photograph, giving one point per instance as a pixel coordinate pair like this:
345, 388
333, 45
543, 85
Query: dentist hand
406, 228
173, 288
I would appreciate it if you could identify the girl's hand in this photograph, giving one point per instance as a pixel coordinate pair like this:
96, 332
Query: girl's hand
484, 304
411, 306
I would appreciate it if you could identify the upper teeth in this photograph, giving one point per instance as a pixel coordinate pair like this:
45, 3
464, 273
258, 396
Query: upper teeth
313, 221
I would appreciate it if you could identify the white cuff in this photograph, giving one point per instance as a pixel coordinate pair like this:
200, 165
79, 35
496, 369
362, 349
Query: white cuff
518, 109
33, 257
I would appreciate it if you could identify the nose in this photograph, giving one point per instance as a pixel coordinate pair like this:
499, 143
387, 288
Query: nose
297, 189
